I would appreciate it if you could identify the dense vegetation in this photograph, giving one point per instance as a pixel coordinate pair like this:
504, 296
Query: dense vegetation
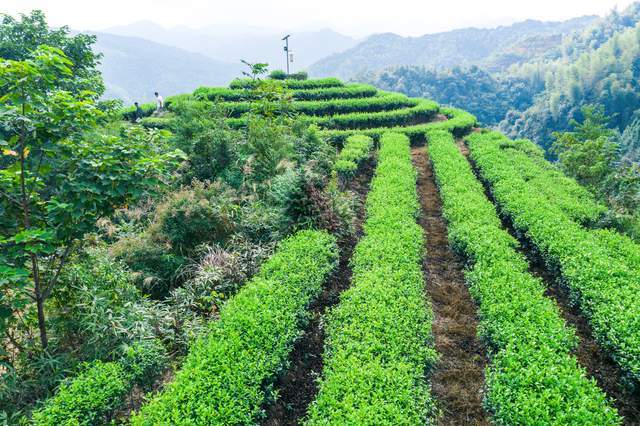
174, 267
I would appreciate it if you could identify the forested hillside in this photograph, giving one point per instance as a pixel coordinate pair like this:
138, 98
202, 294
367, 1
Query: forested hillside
495, 48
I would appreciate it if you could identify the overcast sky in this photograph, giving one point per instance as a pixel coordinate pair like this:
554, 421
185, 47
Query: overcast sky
352, 17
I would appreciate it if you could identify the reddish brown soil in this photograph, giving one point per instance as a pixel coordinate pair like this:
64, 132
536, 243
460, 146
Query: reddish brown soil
590, 355
297, 388
458, 379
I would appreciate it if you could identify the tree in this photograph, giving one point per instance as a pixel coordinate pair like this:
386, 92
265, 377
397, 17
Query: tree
255, 70
20, 37
589, 152
54, 183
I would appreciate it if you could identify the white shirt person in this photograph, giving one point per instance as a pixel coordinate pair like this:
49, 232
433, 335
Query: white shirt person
159, 102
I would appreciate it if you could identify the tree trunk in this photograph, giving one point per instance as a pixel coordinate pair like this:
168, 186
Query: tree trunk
26, 219
39, 302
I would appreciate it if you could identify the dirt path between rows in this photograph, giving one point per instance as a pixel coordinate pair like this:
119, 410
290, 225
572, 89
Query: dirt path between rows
298, 387
589, 354
458, 379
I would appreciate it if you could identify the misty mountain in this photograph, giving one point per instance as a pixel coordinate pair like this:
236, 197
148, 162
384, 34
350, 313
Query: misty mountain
133, 68
252, 44
494, 48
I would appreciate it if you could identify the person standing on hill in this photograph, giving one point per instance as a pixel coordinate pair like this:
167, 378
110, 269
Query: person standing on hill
138, 113
159, 103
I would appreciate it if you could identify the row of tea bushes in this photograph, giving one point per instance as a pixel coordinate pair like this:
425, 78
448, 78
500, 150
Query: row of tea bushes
378, 339
604, 282
228, 374
533, 378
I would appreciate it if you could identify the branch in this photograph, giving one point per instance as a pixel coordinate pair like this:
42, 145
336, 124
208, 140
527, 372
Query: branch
54, 279
13, 341
10, 198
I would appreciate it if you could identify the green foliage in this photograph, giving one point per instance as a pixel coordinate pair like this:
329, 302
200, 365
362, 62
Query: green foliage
600, 74
129, 113
98, 308
604, 282
349, 91
379, 336
143, 361
421, 112
357, 149
459, 122
212, 148
19, 38
289, 82
256, 70
588, 153
155, 267
487, 96
300, 76
93, 395
86, 399
195, 215
532, 376
227, 375
277, 75
381, 102
55, 184
592, 154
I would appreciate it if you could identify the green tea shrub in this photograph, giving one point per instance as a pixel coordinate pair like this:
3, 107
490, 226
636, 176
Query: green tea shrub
227, 376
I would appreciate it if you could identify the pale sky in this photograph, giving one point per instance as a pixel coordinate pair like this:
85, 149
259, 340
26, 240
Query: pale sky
352, 17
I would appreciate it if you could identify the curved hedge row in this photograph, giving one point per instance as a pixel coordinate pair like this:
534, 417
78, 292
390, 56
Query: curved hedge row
235, 95
356, 149
247, 83
419, 113
227, 375
532, 377
378, 342
90, 397
380, 102
422, 112
605, 283
459, 122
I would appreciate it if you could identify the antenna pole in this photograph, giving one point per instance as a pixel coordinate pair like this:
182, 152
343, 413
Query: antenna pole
286, 51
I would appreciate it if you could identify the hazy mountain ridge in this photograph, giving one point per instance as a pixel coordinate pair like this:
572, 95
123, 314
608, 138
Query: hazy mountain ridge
252, 44
133, 68
462, 47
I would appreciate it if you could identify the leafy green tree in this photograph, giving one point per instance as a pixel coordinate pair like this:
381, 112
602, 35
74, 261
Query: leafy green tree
256, 70
589, 152
55, 182
20, 37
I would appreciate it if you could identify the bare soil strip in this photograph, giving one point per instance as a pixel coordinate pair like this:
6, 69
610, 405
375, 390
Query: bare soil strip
458, 379
297, 388
590, 355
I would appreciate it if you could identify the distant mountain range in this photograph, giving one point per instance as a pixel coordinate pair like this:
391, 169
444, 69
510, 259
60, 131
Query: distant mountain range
494, 49
251, 44
134, 68
142, 57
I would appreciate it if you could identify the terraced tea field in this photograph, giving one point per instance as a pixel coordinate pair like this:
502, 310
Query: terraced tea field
478, 289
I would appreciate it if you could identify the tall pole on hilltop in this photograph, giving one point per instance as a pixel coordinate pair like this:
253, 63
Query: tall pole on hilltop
286, 50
